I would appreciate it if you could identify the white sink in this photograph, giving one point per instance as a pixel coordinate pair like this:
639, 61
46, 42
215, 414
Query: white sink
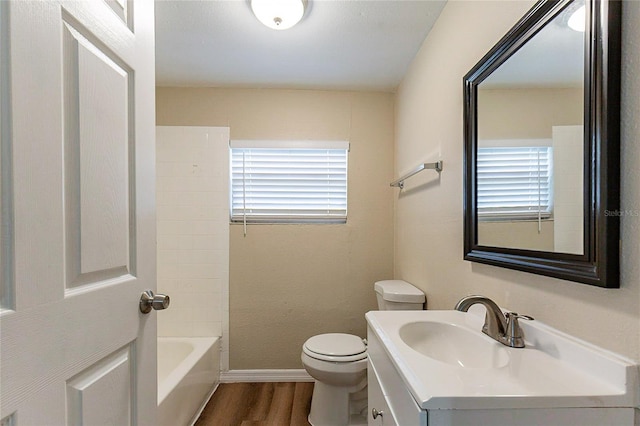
447, 363
454, 345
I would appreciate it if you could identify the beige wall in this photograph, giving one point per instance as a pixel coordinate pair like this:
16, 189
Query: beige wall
527, 113
517, 234
428, 222
289, 282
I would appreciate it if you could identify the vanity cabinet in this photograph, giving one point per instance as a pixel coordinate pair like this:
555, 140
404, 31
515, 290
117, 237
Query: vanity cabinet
388, 393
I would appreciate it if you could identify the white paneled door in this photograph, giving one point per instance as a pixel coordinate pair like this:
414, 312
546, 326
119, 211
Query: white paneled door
78, 212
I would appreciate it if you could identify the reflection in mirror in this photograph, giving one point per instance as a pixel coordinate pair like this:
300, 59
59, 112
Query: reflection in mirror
530, 180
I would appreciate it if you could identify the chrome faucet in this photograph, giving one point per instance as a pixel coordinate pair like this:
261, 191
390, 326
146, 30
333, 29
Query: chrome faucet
501, 327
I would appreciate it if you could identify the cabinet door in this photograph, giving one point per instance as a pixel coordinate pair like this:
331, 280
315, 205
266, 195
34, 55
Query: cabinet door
377, 401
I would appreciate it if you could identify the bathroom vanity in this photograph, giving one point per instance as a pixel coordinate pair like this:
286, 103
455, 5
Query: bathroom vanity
438, 368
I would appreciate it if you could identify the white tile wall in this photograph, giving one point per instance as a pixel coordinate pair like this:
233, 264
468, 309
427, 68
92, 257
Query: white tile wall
193, 230
568, 189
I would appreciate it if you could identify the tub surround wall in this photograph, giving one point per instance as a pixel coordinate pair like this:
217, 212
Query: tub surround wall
290, 282
429, 107
193, 231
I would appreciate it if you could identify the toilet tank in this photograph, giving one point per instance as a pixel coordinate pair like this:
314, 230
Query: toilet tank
398, 295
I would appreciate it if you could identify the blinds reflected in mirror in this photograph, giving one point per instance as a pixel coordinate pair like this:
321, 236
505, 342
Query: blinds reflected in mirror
515, 183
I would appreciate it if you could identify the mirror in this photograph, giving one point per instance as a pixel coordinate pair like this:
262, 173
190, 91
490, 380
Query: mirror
542, 145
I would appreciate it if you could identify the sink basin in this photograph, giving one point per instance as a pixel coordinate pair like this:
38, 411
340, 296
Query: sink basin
447, 363
454, 345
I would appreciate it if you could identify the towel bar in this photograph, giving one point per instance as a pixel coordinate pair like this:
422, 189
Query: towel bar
437, 166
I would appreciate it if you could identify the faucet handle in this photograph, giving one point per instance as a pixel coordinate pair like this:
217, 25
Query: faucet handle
516, 315
513, 335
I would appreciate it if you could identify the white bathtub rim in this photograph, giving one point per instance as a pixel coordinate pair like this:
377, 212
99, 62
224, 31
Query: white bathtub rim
200, 346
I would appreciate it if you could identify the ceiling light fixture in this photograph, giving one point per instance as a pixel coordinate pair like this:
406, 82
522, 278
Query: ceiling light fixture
577, 20
278, 14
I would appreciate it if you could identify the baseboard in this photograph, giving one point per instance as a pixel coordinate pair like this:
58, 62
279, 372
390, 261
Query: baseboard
248, 376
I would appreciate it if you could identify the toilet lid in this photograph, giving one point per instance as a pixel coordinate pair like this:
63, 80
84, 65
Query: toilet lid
336, 345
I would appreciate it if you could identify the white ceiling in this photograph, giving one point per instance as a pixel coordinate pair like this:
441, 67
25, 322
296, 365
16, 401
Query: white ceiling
339, 44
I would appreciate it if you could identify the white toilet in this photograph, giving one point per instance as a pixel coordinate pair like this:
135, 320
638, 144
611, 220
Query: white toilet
338, 362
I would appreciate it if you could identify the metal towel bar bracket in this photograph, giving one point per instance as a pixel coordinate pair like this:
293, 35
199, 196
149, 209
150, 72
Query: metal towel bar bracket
437, 166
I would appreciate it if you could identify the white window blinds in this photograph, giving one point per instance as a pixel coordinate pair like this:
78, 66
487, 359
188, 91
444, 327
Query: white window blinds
289, 182
515, 182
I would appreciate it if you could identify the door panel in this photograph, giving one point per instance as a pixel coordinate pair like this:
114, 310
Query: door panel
96, 106
78, 213
122, 9
102, 394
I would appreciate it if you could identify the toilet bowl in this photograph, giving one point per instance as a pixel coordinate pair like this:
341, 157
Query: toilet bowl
338, 363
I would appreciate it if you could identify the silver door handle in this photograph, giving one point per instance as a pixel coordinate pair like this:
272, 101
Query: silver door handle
149, 301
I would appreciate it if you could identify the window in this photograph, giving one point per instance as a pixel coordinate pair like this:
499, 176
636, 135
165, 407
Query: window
288, 181
514, 182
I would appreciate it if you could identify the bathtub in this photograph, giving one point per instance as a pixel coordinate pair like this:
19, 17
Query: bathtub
188, 372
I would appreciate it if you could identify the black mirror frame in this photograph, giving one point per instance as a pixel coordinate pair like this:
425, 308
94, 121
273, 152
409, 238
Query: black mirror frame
600, 263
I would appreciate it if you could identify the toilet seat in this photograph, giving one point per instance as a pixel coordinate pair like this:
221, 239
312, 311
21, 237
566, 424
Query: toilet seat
335, 347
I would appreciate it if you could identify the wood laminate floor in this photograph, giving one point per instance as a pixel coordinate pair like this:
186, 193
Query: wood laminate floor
258, 404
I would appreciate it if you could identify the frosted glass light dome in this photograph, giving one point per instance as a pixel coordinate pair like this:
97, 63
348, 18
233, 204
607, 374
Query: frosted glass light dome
278, 14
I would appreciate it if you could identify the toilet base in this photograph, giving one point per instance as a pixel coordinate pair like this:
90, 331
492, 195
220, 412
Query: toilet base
354, 420
335, 406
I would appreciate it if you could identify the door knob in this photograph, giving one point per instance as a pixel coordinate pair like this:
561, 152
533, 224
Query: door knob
149, 301
375, 413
